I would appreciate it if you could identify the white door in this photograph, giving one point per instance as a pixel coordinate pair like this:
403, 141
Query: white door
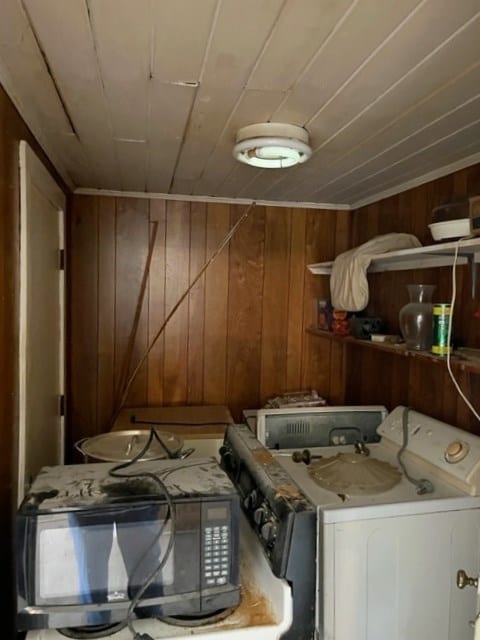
41, 349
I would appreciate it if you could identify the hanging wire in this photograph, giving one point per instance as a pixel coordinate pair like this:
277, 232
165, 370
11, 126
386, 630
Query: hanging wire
142, 360
450, 324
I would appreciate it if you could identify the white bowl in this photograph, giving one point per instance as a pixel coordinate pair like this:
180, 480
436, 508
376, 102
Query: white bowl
450, 229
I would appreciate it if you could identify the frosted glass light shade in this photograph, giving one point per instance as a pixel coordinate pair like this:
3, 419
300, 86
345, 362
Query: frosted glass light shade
272, 145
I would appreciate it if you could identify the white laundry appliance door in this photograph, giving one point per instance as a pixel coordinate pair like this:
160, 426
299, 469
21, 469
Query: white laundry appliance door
395, 577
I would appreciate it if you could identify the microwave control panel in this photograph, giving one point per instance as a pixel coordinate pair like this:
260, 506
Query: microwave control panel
216, 544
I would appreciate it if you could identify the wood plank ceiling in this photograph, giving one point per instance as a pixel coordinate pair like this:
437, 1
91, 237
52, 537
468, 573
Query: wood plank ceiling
147, 95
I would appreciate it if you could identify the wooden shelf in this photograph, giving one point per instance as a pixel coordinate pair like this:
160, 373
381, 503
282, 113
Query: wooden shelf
463, 359
438, 255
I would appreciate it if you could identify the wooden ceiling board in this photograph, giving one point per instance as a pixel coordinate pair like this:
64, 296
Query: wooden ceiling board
397, 58
238, 179
170, 109
182, 29
362, 30
444, 148
253, 106
439, 129
241, 31
132, 157
438, 104
376, 112
459, 158
20, 52
207, 120
148, 95
338, 58
301, 29
84, 98
123, 36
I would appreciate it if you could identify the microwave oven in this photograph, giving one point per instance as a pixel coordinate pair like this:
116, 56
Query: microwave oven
87, 543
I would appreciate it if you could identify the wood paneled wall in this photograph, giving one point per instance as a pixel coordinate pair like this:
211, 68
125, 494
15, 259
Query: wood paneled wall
239, 336
373, 376
12, 130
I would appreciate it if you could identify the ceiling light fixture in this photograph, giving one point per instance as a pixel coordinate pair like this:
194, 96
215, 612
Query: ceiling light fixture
272, 145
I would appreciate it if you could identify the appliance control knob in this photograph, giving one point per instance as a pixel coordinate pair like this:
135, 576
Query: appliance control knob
456, 451
260, 515
269, 532
251, 500
227, 459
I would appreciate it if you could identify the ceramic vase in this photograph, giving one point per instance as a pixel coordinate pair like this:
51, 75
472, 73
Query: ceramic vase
416, 317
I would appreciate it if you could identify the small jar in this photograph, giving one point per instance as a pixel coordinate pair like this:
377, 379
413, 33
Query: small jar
341, 323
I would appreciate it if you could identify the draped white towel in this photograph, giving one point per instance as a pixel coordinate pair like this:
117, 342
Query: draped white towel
348, 281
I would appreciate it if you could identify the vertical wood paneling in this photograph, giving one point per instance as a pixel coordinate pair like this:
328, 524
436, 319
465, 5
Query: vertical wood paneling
320, 240
156, 305
216, 304
296, 286
244, 322
237, 339
240, 337
423, 385
176, 283
275, 306
83, 283
106, 311
196, 308
132, 236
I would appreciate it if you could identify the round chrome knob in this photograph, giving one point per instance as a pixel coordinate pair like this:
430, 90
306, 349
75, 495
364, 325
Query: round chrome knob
260, 515
456, 451
269, 531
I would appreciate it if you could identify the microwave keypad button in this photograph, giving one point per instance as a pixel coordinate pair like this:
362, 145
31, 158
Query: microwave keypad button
221, 580
211, 581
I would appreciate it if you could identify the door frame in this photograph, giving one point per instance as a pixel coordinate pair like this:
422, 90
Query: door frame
33, 170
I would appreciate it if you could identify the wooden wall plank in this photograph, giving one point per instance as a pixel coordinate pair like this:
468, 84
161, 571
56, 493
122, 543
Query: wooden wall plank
106, 225
244, 321
216, 303
132, 238
320, 241
83, 325
275, 303
196, 308
156, 306
296, 286
176, 283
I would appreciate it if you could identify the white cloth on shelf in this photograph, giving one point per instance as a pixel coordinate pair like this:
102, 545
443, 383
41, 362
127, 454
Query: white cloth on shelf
348, 281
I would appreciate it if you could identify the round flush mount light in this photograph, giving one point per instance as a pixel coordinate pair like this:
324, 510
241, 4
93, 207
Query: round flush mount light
272, 145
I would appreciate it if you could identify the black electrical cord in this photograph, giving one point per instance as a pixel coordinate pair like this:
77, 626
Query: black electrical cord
181, 423
115, 472
101, 631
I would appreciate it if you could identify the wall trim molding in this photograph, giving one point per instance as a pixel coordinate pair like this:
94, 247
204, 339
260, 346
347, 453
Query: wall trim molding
246, 201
